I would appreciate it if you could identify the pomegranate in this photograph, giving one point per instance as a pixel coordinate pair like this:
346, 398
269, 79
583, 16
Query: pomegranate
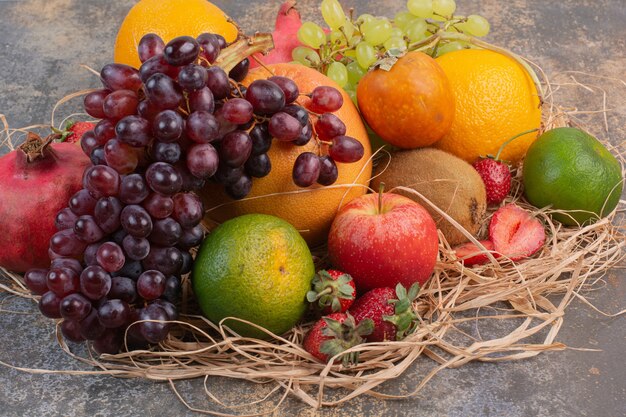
36, 181
285, 40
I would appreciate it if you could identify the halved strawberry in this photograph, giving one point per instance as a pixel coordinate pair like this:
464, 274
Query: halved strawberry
515, 233
470, 254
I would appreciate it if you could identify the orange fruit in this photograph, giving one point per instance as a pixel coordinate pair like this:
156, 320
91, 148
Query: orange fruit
571, 171
256, 268
310, 210
409, 106
168, 19
496, 99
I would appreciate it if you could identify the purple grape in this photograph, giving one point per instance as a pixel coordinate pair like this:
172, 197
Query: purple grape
104, 131
153, 331
166, 152
63, 281
346, 149
172, 289
65, 243
113, 313
239, 71
49, 305
157, 65
136, 248
87, 230
202, 127
120, 77
119, 104
70, 263
121, 157
103, 181
89, 142
89, 257
163, 178
284, 127
202, 160
329, 126
168, 307
221, 41
35, 280
95, 282
167, 126
306, 169
266, 97
109, 342
149, 46
93, 103
133, 189
82, 203
192, 77
187, 263
124, 289
298, 112
239, 189
97, 156
134, 131
226, 175
65, 219
202, 100
188, 209
90, 326
159, 206
258, 166
71, 331
181, 51
328, 171
107, 214
289, 87
151, 284
325, 99
131, 269
261, 139
75, 307
167, 260
237, 111
305, 135
136, 221
218, 82
235, 148
165, 232
190, 182
209, 47
163, 92
110, 256
191, 237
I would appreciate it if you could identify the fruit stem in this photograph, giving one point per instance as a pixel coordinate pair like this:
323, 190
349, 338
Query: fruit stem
243, 48
511, 140
381, 189
35, 147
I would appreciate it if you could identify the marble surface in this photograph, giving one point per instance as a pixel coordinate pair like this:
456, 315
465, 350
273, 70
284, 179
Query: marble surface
43, 44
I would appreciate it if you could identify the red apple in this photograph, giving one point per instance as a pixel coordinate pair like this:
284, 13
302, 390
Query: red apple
382, 240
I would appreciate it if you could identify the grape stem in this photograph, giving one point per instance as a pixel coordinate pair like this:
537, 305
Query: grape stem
243, 48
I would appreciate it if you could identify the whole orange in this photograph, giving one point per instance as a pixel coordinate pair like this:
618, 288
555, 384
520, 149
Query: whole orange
310, 210
409, 106
495, 100
168, 19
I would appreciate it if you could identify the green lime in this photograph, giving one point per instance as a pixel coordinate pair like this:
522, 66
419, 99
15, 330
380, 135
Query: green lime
257, 268
572, 171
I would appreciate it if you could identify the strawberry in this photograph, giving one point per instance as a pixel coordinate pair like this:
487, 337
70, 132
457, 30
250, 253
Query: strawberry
497, 178
515, 233
333, 290
74, 131
470, 254
391, 310
334, 334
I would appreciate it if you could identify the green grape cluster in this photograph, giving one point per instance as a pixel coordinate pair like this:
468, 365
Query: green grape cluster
350, 46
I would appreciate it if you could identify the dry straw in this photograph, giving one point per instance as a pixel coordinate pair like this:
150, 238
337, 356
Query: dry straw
527, 298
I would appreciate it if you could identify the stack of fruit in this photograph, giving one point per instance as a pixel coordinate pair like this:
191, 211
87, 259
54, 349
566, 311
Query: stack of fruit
191, 127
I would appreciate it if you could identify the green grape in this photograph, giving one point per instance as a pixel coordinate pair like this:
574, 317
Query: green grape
395, 43
420, 8
305, 56
397, 33
402, 19
350, 53
376, 31
476, 25
348, 28
444, 7
364, 18
337, 38
355, 72
416, 31
352, 94
332, 13
311, 35
365, 54
338, 73
449, 47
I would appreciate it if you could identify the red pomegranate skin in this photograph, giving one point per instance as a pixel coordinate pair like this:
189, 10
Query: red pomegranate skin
31, 194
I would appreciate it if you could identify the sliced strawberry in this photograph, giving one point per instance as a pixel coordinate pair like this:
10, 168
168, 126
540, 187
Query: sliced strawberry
470, 254
515, 233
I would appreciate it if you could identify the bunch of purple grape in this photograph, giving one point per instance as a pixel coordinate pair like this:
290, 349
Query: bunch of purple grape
123, 241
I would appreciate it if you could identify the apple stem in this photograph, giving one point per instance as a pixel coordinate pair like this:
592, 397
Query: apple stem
511, 140
381, 189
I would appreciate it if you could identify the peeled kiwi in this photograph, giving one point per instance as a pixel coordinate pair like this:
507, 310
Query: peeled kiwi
449, 182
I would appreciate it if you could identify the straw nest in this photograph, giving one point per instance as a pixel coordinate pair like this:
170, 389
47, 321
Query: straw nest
529, 296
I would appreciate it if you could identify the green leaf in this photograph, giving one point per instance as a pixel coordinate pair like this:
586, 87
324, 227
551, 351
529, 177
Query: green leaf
400, 291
